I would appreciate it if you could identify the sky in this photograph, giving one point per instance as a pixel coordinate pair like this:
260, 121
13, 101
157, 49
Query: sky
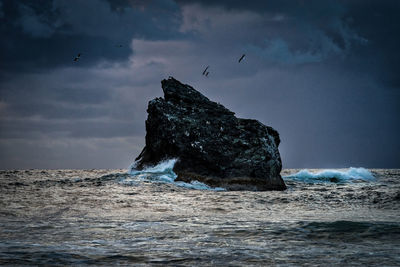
324, 74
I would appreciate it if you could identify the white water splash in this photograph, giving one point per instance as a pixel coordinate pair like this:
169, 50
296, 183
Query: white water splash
163, 173
162, 167
350, 175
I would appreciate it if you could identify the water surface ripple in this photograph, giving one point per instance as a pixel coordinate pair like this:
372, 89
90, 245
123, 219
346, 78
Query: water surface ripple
108, 217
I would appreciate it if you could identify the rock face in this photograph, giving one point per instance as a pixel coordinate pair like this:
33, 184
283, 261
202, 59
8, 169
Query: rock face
211, 144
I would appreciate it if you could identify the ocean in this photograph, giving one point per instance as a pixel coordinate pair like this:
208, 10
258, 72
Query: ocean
346, 217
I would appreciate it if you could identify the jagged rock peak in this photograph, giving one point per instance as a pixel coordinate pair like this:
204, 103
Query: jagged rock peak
212, 145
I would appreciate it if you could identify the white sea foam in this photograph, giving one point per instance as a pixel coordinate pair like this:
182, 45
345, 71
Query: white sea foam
163, 172
349, 175
162, 167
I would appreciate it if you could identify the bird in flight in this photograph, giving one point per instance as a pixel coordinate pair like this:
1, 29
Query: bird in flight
77, 57
205, 71
242, 57
120, 45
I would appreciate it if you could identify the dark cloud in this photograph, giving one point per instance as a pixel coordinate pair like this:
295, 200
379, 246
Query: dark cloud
1, 10
323, 73
365, 33
378, 21
58, 30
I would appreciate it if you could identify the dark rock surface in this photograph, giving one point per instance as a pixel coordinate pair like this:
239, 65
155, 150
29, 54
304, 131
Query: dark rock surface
212, 145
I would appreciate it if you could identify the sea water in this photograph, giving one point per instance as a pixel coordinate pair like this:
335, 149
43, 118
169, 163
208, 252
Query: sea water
344, 217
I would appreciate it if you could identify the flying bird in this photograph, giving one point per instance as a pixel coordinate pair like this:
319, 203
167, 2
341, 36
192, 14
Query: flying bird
242, 57
77, 57
120, 45
205, 71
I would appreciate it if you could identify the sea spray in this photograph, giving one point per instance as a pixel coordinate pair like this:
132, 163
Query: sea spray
336, 176
163, 173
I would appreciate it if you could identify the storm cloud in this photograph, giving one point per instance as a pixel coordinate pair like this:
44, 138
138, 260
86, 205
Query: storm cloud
323, 73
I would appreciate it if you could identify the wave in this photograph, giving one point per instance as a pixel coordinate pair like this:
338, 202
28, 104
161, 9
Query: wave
334, 176
163, 173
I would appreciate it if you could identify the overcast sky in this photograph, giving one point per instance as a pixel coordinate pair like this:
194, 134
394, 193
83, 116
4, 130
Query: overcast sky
325, 74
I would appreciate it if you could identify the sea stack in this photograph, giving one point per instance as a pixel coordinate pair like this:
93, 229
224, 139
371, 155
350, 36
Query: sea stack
211, 144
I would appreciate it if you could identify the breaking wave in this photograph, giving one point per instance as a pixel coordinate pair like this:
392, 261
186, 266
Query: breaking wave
334, 176
163, 173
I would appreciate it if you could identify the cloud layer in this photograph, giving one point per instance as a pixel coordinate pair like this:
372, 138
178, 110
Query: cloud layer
323, 73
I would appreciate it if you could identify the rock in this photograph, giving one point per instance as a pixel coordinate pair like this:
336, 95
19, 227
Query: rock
211, 144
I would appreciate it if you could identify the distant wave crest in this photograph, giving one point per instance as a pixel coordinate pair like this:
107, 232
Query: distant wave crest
336, 176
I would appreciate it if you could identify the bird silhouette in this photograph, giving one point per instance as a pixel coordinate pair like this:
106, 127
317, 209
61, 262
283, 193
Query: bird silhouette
77, 57
242, 57
205, 71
